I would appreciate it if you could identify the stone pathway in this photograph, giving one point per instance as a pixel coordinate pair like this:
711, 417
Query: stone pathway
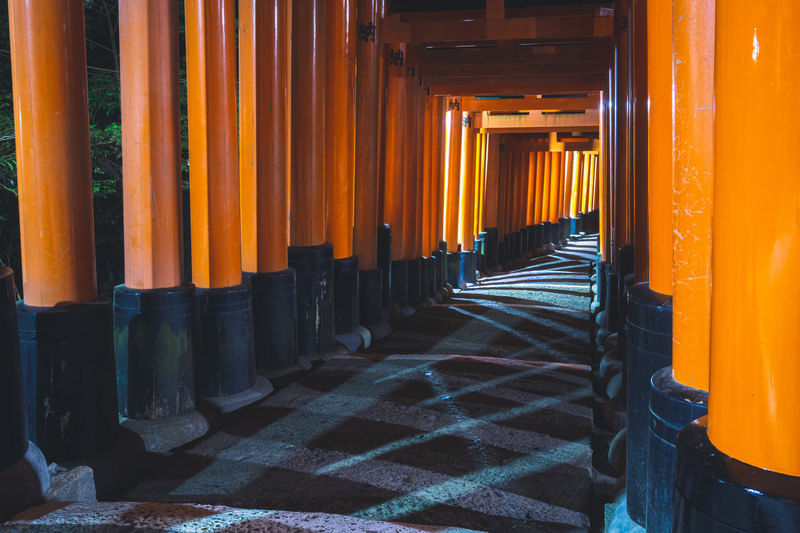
473, 415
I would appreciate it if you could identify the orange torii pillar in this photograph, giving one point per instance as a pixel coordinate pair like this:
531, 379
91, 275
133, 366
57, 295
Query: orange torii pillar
467, 201
522, 201
480, 192
649, 303
490, 202
452, 192
538, 231
155, 379
394, 172
411, 175
678, 393
264, 44
502, 204
530, 201
65, 334
310, 254
365, 232
426, 231
340, 169
438, 158
223, 302
739, 467
556, 175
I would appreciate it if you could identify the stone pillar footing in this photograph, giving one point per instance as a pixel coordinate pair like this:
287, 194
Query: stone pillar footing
274, 320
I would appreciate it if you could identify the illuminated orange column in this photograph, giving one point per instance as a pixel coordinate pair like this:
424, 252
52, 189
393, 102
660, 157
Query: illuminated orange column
555, 180
569, 174
264, 30
693, 187
530, 215
74, 364
753, 394
659, 131
214, 183
467, 186
410, 164
339, 137
453, 177
155, 379
438, 118
151, 144
395, 149
546, 178
480, 173
308, 206
53, 164
426, 216
585, 174
541, 157
574, 200
366, 131
492, 186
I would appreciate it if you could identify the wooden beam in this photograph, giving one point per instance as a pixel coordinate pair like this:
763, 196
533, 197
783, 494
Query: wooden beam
522, 84
531, 101
538, 28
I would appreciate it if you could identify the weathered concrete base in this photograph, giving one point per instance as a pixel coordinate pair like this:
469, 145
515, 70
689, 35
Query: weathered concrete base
351, 341
71, 485
621, 521
381, 330
165, 434
24, 483
227, 404
366, 336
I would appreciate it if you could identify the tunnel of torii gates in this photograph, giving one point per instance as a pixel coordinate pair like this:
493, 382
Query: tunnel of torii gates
378, 158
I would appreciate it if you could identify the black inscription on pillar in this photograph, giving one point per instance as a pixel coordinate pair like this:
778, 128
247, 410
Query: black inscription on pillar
453, 104
467, 121
624, 23
502, 147
366, 32
427, 89
411, 72
396, 58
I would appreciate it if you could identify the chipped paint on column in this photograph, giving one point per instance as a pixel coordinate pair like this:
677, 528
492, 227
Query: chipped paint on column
693, 55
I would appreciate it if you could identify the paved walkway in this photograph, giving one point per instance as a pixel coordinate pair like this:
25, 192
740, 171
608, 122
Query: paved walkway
473, 415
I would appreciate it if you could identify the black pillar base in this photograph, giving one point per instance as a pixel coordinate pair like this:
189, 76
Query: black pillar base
430, 288
600, 276
400, 283
370, 293
313, 267
385, 260
715, 493
345, 294
481, 249
524, 240
224, 341
555, 234
468, 267
672, 406
649, 348
517, 244
455, 275
12, 416
274, 320
546, 234
502, 255
153, 348
492, 248
579, 225
563, 230
70, 384
573, 226
414, 281
440, 276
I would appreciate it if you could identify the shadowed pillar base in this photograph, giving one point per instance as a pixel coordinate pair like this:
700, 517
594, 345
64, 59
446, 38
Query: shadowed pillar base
415, 281
313, 267
153, 348
715, 493
225, 348
67, 355
371, 304
649, 348
672, 406
346, 301
400, 283
275, 321
385, 261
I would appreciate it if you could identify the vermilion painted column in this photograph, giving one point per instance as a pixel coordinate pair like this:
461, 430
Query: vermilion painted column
264, 148
310, 254
552, 207
366, 166
411, 184
224, 369
574, 200
490, 222
394, 173
155, 379
753, 421
339, 167
467, 186
452, 191
66, 337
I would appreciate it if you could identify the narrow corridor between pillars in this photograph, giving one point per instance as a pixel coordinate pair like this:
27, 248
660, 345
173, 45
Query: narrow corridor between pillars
475, 414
